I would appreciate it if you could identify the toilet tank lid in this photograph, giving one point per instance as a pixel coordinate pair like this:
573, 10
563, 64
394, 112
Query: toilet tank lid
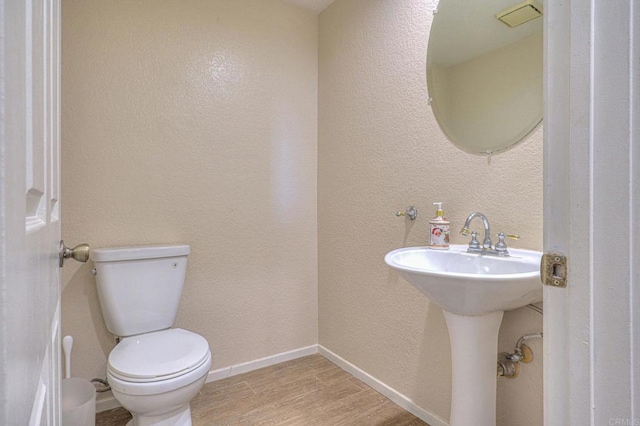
113, 254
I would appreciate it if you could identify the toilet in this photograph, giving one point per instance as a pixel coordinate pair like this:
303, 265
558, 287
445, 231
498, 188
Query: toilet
155, 370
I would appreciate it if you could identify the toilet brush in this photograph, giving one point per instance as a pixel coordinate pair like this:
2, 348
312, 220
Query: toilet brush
67, 344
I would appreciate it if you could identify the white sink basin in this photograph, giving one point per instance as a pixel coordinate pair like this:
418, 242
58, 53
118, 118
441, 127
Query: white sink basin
471, 284
473, 290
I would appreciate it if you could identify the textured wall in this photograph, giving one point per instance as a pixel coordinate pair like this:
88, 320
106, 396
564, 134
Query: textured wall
195, 122
379, 150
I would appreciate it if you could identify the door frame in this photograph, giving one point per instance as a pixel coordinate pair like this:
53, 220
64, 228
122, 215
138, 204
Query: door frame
592, 212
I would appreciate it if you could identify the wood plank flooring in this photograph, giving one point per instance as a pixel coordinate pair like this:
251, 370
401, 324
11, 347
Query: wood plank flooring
306, 391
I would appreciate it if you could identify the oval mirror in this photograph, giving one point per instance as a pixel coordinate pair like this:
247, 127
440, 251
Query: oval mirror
484, 72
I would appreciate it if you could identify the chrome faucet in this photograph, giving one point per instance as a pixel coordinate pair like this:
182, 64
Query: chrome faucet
487, 245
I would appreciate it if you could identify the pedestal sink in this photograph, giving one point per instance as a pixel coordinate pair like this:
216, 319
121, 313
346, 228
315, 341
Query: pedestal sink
473, 290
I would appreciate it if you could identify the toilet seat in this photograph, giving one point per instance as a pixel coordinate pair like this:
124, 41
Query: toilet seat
131, 388
157, 356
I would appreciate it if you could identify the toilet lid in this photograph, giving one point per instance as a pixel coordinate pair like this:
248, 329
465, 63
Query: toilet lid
157, 355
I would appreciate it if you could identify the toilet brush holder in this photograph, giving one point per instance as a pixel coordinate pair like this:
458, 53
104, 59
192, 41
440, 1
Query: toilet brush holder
78, 402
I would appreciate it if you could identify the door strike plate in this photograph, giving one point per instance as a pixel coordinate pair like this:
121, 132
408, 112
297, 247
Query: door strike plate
553, 270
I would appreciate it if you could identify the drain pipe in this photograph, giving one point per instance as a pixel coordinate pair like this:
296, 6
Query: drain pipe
509, 363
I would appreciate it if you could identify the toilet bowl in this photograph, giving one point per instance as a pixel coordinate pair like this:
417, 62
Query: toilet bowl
155, 370
155, 375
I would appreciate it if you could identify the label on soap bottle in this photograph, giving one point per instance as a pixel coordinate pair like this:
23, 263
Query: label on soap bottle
439, 236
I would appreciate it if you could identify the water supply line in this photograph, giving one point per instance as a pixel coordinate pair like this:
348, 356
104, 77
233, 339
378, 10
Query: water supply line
518, 353
509, 363
538, 309
103, 385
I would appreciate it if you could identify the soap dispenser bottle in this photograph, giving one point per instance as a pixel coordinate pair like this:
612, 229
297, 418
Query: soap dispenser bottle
439, 230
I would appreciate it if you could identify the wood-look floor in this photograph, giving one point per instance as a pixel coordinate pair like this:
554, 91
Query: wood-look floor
304, 391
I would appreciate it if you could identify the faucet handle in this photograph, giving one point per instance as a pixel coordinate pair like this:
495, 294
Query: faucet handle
510, 236
474, 244
501, 246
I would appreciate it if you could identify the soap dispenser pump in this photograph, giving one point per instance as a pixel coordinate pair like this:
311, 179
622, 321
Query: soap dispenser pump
439, 230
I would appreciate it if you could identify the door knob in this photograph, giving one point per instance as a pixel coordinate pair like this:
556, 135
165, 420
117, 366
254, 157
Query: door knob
81, 253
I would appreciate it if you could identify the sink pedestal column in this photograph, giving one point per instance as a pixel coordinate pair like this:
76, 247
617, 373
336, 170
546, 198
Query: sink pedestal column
474, 351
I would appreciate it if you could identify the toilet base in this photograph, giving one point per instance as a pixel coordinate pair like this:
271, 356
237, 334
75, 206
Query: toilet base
165, 409
170, 406
178, 417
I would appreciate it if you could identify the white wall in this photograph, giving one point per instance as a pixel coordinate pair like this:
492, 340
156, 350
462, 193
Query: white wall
195, 122
379, 150
198, 124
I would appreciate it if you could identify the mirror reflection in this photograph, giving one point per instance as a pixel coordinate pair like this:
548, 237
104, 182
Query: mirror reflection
484, 72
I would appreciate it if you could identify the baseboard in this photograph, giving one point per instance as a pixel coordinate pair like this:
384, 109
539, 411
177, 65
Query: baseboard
108, 402
385, 390
245, 367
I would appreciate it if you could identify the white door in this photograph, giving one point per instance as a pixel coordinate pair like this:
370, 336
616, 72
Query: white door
592, 212
29, 212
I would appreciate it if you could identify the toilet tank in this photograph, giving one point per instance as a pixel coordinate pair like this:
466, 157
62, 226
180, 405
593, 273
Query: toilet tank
140, 287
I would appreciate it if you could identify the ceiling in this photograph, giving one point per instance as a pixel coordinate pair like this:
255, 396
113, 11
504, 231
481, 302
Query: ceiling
315, 6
